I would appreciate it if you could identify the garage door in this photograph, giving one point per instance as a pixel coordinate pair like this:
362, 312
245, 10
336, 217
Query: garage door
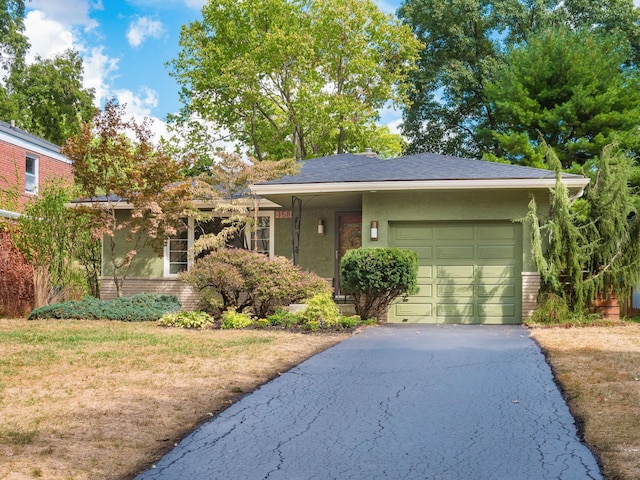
468, 273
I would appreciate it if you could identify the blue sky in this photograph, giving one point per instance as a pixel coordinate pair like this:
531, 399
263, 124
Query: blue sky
125, 45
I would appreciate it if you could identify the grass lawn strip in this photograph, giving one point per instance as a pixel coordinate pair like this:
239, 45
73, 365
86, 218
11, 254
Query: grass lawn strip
599, 371
103, 400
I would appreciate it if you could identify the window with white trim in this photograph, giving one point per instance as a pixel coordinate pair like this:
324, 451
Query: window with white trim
31, 174
177, 255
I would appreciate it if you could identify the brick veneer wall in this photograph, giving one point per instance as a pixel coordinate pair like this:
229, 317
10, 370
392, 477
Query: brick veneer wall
12, 168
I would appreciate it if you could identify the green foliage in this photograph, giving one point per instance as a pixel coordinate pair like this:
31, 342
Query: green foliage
320, 309
375, 277
568, 88
244, 279
467, 45
234, 319
594, 250
50, 236
283, 318
294, 78
50, 97
137, 308
184, 319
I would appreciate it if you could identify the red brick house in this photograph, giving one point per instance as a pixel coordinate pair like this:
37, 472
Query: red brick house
27, 161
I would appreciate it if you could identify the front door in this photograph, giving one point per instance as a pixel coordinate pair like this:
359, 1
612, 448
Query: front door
349, 235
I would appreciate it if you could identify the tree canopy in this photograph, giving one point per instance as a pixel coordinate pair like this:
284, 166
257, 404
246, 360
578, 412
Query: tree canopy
468, 42
46, 97
569, 88
294, 78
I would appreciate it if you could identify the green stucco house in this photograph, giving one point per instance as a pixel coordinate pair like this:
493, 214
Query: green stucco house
458, 214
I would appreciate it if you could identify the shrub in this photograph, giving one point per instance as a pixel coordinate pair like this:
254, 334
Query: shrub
140, 307
320, 309
375, 277
283, 318
186, 320
233, 319
244, 279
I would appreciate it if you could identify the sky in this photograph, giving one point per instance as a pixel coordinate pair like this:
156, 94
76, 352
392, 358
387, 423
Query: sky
125, 45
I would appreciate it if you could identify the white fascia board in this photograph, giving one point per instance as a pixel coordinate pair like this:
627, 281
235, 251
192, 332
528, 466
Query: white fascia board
516, 183
32, 147
262, 204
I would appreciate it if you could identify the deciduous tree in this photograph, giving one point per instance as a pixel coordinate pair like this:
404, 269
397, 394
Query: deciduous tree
116, 164
294, 78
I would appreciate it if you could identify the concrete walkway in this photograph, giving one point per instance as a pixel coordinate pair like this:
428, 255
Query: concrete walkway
397, 402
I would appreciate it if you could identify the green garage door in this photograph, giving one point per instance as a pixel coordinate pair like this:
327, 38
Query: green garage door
468, 272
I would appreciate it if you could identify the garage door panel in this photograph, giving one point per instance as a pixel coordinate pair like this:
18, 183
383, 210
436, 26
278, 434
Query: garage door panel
496, 271
454, 271
458, 310
425, 272
424, 253
497, 291
450, 232
456, 290
507, 252
497, 232
464, 252
412, 233
413, 310
497, 310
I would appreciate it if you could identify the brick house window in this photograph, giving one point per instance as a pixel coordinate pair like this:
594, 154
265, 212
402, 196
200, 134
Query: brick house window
31, 174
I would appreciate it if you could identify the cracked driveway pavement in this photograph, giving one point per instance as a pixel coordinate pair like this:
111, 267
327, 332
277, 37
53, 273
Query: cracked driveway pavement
397, 402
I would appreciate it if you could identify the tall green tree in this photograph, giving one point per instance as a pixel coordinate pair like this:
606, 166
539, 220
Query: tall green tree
115, 163
570, 88
49, 97
13, 43
466, 43
294, 78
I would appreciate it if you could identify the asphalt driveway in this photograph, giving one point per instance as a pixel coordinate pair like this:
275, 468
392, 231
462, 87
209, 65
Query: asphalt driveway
397, 402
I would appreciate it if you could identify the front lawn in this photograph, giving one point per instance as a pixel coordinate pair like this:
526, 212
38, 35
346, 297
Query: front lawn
599, 371
104, 399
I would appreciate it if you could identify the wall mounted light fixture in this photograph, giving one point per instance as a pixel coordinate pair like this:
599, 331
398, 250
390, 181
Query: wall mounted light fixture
374, 230
320, 227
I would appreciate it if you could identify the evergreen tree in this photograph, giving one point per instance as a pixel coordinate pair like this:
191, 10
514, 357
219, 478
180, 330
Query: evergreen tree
589, 247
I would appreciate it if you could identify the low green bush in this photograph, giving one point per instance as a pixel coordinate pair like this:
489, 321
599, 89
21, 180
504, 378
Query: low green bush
186, 320
375, 277
137, 308
283, 318
320, 309
233, 319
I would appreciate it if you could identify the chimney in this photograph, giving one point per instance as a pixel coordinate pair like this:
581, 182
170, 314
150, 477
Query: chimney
13, 123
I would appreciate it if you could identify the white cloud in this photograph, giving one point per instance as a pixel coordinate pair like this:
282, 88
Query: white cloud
46, 36
142, 28
67, 12
97, 68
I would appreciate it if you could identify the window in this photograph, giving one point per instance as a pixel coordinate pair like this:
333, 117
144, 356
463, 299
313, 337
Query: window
31, 174
259, 238
178, 253
177, 257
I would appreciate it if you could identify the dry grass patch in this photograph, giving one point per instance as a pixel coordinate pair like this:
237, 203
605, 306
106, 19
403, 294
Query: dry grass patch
103, 400
599, 371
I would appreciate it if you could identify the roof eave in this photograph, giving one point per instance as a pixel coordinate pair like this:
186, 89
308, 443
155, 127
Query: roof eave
491, 184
